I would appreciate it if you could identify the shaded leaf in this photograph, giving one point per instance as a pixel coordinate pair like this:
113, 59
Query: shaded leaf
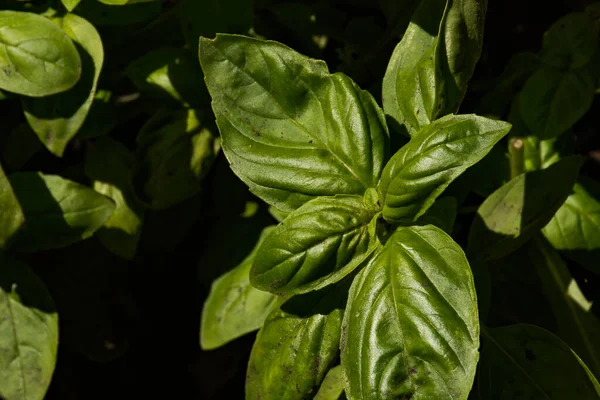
331, 388
290, 130
441, 214
103, 14
411, 327
11, 214
570, 42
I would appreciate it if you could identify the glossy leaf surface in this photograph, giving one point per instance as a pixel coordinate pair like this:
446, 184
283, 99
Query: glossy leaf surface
519, 209
291, 130
411, 327
58, 212
28, 333
234, 307
56, 119
424, 167
316, 245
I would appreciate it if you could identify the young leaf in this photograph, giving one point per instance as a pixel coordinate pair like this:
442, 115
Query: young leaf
234, 307
575, 227
56, 119
170, 73
28, 333
316, 245
109, 165
429, 70
297, 345
577, 326
175, 151
11, 214
58, 212
38, 58
570, 42
70, 4
423, 168
331, 388
553, 100
411, 328
511, 215
290, 130
537, 364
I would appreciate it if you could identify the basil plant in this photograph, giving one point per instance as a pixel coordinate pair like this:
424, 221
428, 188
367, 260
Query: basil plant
358, 291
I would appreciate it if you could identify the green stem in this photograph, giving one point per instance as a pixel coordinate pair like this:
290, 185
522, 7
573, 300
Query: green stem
516, 150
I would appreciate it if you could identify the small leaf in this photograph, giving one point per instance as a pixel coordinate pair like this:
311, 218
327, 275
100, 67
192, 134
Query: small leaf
38, 58
109, 165
234, 307
297, 345
58, 212
290, 130
56, 119
423, 168
70, 4
515, 212
570, 42
428, 72
577, 326
411, 328
316, 245
537, 364
28, 333
11, 214
331, 388
170, 73
575, 226
553, 100
175, 152
277, 214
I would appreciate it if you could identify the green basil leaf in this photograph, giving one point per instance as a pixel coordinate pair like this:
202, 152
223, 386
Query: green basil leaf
70, 4
570, 42
553, 100
429, 70
28, 333
511, 215
58, 212
109, 165
290, 130
278, 214
101, 119
441, 214
576, 323
575, 226
234, 307
423, 168
11, 214
331, 388
39, 58
104, 14
170, 73
526, 362
297, 345
411, 327
175, 152
316, 245
206, 18
56, 119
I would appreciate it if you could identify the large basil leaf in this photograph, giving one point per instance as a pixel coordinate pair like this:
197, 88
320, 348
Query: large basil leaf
175, 152
56, 119
519, 209
11, 214
331, 388
28, 333
234, 307
553, 100
58, 212
109, 165
170, 73
577, 325
411, 327
527, 362
290, 130
575, 227
570, 42
424, 167
316, 245
297, 345
39, 58
429, 70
